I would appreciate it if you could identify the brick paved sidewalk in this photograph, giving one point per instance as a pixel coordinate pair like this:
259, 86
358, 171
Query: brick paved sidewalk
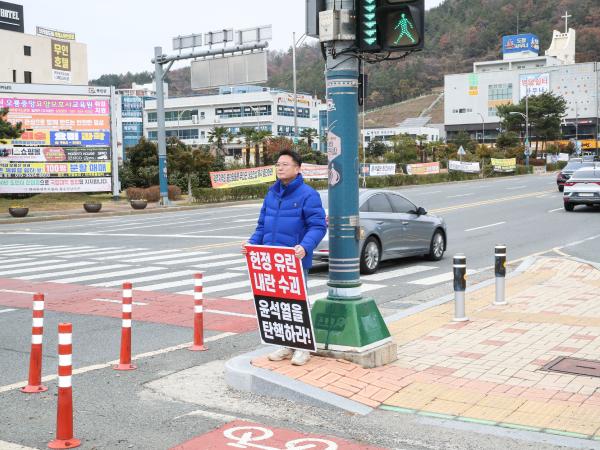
488, 370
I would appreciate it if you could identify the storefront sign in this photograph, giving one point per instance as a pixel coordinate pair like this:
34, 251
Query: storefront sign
242, 177
11, 169
48, 32
45, 185
60, 121
56, 154
11, 17
280, 297
80, 138
38, 105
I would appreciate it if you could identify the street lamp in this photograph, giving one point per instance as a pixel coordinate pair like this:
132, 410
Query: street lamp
526, 117
482, 128
294, 45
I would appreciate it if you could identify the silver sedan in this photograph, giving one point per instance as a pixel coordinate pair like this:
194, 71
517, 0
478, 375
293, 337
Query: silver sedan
391, 227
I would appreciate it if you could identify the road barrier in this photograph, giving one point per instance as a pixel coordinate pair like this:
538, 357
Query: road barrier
500, 270
125, 357
64, 410
198, 345
34, 385
460, 285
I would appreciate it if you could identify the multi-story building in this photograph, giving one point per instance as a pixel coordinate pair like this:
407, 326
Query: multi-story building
191, 119
49, 57
472, 99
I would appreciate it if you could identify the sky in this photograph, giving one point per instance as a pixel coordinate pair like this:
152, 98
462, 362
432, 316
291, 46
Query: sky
121, 34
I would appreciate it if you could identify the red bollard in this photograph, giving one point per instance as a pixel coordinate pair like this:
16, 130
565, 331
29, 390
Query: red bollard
125, 359
64, 411
34, 384
198, 345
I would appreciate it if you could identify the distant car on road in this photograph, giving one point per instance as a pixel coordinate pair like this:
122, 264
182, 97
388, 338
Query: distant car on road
583, 188
573, 165
391, 227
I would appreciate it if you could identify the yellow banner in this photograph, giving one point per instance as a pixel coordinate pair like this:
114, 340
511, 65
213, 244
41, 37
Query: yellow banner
242, 177
504, 165
13, 169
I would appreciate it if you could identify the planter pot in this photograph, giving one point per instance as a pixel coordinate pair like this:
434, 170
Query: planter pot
138, 204
92, 207
18, 212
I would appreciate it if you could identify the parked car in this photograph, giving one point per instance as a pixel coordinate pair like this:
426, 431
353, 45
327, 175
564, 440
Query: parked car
573, 165
391, 227
583, 188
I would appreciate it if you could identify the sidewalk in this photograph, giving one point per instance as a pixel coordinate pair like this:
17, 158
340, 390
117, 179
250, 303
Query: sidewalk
488, 370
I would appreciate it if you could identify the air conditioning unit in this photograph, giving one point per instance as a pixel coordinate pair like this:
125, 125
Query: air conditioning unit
195, 119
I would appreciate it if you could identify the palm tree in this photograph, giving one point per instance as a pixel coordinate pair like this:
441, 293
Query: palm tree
218, 136
248, 134
259, 137
309, 134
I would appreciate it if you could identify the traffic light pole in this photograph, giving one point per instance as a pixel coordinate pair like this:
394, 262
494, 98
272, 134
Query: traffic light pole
346, 324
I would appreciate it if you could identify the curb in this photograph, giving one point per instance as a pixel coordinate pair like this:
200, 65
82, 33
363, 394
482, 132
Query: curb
242, 375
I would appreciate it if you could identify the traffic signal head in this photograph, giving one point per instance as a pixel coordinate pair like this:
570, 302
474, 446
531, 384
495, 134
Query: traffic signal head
397, 25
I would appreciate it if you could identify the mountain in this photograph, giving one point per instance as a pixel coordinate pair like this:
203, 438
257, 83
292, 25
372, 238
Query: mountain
458, 32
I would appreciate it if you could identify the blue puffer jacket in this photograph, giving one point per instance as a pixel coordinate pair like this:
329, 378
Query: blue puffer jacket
291, 215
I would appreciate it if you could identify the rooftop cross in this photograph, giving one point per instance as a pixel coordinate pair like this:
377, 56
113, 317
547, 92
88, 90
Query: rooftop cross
566, 17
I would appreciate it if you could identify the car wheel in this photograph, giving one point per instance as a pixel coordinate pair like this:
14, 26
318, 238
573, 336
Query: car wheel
370, 256
569, 206
437, 246
561, 188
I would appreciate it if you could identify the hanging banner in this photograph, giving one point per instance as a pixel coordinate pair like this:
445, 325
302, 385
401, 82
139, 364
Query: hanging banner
45, 185
280, 297
242, 177
53, 170
60, 122
504, 165
56, 154
377, 170
314, 172
423, 168
464, 166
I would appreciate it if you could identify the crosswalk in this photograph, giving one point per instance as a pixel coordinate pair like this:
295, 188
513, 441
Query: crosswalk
171, 270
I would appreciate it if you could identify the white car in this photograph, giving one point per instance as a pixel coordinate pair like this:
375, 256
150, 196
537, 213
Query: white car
583, 188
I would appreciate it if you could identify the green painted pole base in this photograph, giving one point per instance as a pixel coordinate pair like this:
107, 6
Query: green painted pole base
345, 325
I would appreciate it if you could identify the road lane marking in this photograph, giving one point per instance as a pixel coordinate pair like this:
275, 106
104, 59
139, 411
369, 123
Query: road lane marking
438, 278
459, 195
516, 187
93, 367
17, 292
485, 226
2, 311
200, 259
110, 300
95, 234
165, 257
147, 278
396, 273
131, 252
49, 268
189, 282
222, 287
554, 210
221, 263
52, 274
7, 264
229, 313
485, 202
105, 275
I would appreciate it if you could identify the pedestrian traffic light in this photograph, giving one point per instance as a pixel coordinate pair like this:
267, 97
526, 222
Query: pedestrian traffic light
390, 25
402, 24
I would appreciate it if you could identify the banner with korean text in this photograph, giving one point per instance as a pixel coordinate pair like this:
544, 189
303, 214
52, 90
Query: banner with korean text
464, 166
314, 172
377, 170
423, 168
280, 297
504, 165
242, 177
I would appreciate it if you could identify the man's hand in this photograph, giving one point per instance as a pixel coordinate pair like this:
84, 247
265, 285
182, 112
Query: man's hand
244, 250
300, 252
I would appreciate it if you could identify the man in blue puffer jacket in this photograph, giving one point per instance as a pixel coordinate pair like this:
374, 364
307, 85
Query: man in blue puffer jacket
292, 215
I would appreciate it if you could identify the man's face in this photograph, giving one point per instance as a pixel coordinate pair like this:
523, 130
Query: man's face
287, 169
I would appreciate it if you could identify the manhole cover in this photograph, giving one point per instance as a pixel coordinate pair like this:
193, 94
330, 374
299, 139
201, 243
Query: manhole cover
575, 366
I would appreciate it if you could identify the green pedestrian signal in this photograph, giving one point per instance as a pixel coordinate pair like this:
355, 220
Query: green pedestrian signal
367, 26
402, 24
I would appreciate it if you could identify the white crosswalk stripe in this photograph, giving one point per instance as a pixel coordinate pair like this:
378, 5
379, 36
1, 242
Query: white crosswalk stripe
78, 253
220, 264
380, 276
105, 275
200, 259
54, 267
436, 279
162, 276
52, 274
188, 282
163, 257
60, 249
9, 265
132, 252
27, 250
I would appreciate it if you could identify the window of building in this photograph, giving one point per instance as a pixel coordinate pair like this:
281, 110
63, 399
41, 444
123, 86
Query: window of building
14, 76
152, 117
288, 111
500, 91
27, 50
27, 77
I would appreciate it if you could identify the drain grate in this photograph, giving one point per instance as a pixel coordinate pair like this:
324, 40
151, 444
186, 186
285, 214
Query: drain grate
574, 366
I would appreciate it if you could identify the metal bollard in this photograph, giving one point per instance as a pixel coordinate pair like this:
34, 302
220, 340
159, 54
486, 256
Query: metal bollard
500, 269
460, 285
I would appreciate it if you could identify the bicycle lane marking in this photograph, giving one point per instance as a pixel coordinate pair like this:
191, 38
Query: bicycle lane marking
249, 435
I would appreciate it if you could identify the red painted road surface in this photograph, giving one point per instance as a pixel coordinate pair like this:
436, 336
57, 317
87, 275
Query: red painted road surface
240, 434
162, 307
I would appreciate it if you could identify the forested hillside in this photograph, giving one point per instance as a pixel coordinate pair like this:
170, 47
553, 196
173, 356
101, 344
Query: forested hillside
459, 32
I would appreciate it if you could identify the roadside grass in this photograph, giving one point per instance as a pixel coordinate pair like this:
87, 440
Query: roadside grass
54, 202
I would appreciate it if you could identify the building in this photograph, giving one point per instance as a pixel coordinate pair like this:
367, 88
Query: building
414, 127
48, 57
471, 99
192, 118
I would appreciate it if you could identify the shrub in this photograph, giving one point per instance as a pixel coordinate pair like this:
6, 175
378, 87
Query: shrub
134, 193
174, 192
152, 193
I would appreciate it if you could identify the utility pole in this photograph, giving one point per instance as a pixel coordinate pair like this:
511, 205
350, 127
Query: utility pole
159, 75
527, 143
294, 80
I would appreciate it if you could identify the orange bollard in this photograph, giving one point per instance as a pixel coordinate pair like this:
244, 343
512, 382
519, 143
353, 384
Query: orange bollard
125, 358
64, 411
198, 345
34, 384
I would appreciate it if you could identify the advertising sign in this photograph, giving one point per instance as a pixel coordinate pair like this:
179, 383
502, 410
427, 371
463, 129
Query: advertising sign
473, 84
11, 17
12, 169
463, 166
377, 170
60, 122
80, 138
37, 185
504, 165
314, 171
280, 297
423, 168
520, 43
50, 154
242, 177
48, 32
38, 105
534, 84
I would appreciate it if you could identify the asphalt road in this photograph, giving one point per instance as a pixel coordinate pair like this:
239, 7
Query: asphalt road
160, 252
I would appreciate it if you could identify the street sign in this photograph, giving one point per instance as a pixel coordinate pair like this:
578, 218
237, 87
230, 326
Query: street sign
461, 151
256, 34
249, 68
189, 41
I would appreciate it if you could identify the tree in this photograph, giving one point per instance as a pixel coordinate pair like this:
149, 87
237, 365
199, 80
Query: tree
273, 146
308, 134
259, 138
463, 139
507, 139
188, 162
376, 149
219, 136
141, 166
248, 134
7, 129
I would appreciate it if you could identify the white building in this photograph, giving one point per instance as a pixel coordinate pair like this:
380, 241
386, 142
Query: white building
192, 118
414, 127
49, 57
472, 99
